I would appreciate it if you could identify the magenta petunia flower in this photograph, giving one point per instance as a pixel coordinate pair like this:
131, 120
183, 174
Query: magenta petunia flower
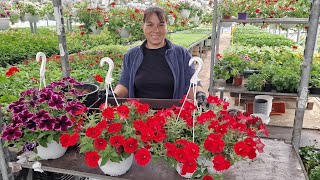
29, 92
11, 133
42, 114
31, 124
55, 84
20, 102
73, 107
63, 123
45, 95
46, 124
56, 102
25, 116
17, 109
16, 121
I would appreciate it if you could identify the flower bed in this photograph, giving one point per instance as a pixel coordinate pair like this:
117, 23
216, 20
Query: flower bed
45, 41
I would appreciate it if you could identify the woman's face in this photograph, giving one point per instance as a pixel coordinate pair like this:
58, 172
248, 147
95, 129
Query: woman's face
155, 32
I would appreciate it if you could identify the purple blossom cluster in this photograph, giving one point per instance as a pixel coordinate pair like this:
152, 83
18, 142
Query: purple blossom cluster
42, 110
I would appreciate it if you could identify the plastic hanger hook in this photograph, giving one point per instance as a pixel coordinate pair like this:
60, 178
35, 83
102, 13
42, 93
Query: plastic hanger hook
108, 79
42, 67
195, 78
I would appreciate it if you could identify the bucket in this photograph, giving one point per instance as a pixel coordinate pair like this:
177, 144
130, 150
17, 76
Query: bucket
265, 119
269, 99
260, 106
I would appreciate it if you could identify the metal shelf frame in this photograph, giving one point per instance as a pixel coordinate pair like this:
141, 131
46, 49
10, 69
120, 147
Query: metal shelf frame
312, 32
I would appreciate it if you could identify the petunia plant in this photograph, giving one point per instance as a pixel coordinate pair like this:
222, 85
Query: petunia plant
42, 116
201, 142
111, 134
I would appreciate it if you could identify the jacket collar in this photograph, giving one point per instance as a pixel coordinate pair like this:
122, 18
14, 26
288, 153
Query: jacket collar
169, 43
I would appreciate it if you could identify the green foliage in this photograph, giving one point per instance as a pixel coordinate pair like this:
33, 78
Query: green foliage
91, 18
315, 75
311, 160
260, 38
286, 78
255, 82
187, 38
20, 44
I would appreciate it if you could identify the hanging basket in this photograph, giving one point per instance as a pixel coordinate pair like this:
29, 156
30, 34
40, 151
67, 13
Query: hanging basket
31, 18
4, 23
52, 151
95, 30
124, 33
185, 13
116, 169
89, 92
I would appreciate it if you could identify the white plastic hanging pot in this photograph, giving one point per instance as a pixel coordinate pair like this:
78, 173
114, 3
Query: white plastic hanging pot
116, 168
52, 151
124, 33
185, 13
4, 23
31, 18
95, 30
288, 26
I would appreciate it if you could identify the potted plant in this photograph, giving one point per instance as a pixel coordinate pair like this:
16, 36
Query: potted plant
286, 78
211, 141
92, 19
30, 11
47, 10
45, 120
315, 79
184, 8
243, 8
255, 82
7, 14
123, 22
227, 7
114, 136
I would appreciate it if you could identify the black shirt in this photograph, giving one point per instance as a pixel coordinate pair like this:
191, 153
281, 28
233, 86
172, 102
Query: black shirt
154, 78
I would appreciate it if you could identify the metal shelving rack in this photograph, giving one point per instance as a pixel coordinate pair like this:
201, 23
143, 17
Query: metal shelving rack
302, 94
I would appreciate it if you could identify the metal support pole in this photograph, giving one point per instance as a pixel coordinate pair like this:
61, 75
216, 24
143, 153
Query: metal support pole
35, 27
306, 66
62, 38
299, 34
3, 164
213, 44
218, 36
31, 27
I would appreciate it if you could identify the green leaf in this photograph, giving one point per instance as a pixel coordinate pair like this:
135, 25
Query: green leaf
50, 138
43, 143
104, 161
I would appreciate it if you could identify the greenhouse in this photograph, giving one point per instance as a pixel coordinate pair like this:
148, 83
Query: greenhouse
151, 89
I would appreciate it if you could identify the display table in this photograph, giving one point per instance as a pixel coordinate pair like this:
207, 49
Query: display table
279, 161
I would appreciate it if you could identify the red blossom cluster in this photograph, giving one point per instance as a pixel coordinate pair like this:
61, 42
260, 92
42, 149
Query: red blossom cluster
184, 152
110, 131
11, 71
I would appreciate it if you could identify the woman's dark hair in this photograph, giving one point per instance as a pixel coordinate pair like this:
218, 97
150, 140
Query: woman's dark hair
155, 10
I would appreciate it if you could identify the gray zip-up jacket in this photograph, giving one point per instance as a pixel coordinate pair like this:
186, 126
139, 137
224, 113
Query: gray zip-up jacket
177, 57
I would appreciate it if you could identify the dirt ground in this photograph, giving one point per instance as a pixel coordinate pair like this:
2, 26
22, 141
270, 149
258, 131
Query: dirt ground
311, 117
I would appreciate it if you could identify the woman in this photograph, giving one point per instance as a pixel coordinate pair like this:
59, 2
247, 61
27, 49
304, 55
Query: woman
157, 69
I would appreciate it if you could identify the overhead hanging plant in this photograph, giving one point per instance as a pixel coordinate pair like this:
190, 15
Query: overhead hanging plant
91, 18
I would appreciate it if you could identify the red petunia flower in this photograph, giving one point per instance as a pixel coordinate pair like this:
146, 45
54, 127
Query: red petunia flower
82, 33
136, 10
100, 143
117, 140
114, 128
93, 132
207, 177
108, 113
123, 111
102, 125
130, 145
220, 163
142, 108
98, 78
92, 158
258, 11
66, 140
139, 125
294, 47
189, 166
113, 3
259, 145
171, 149
241, 149
11, 71
142, 157
147, 134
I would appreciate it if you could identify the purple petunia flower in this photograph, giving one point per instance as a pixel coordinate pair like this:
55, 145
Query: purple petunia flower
71, 80
56, 102
31, 124
29, 147
73, 107
8, 13
46, 124
25, 116
16, 103
18, 109
45, 95
11, 133
2, 15
16, 121
42, 114
63, 123
29, 92
56, 84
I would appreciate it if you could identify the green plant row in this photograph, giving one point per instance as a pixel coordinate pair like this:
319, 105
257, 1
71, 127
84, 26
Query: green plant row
311, 159
20, 44
259, 38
